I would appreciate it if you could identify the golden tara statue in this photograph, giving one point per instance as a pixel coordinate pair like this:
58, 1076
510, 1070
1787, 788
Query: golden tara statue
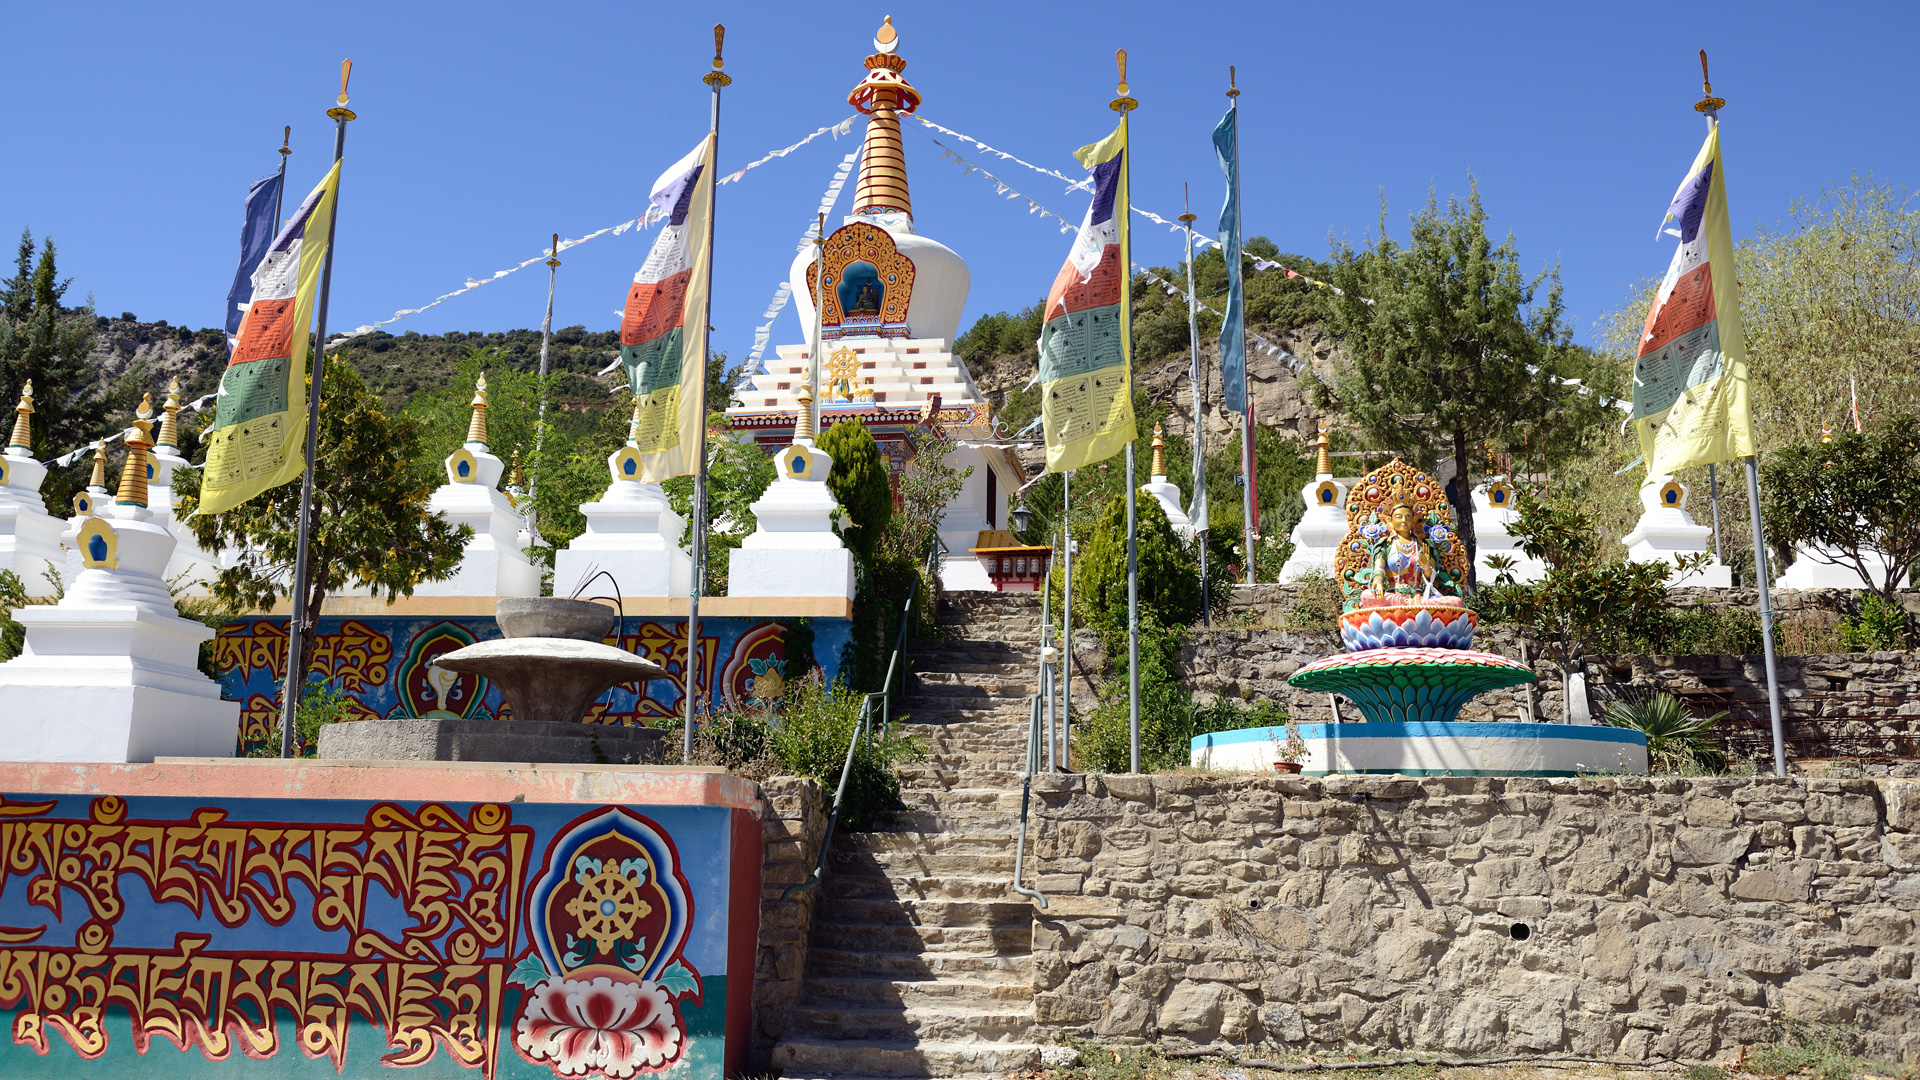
1399, 548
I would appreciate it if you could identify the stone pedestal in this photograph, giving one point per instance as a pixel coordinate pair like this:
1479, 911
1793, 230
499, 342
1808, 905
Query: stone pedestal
111, 672
632, 534
1316, 539
1493, 515
29, 536
795, 551
493, 565
532, 741
1815, 567
1666, 532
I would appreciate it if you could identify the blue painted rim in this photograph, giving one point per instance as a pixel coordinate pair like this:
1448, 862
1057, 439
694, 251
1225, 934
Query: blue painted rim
1432, 729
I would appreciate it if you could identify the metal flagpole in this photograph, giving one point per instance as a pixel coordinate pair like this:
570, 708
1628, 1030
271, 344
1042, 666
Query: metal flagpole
302, 572
280, 192
1125, 105
1066, 621
819, 324
1713, 493
716, 79
1246, 433
1199, 398
1710, 105
546, 337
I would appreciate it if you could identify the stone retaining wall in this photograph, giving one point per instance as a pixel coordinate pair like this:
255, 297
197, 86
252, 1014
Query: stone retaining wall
793, 827
1611, 917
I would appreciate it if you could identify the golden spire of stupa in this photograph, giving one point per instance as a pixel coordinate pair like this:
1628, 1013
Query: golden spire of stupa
1159, 453
516, 479
22, 426
1325, 468
803, 424
133, 471
98, 482
170, 423
883, 95
477, 427
1826, 433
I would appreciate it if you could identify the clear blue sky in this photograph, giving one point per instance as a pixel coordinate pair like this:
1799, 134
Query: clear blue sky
133, 129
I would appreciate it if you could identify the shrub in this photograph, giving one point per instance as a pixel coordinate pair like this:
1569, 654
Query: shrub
1169, 578
1169, 716
860, 483
1880, 626
320, 705
1317, 608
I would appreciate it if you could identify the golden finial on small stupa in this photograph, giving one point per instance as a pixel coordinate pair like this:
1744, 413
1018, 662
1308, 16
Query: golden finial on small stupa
477, 427
1159, 453
22, 426
803, 425
98, 482
133, 472
1326, 452
516, 479
170, 423
1826, 433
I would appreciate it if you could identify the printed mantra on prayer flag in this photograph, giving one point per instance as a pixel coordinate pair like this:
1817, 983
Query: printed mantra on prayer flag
663, 329
1690, 403
258, 438
1086, 403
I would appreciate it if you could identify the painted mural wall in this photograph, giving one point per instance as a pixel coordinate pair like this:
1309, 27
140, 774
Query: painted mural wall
186, 937
383, 664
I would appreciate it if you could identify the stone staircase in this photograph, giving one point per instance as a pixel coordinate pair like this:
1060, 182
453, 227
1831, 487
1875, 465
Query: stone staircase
920, 961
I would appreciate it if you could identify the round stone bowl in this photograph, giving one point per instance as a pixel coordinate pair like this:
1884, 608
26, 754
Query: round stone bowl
553, 617
1431, 626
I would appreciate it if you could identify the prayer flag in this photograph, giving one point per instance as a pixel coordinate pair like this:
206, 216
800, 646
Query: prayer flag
1233, 338
255, 234
1086, 342
1690, 387
259, 438
663, 332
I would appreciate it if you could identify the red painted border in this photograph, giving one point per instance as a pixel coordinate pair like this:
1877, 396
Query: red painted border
743, 936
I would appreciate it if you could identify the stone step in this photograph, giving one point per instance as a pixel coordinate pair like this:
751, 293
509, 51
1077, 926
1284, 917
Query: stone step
941, 1022
944, 914
933, 682
940, 825
961, 800
977, 993
912, 864
956, 843
927, 776
976, 887
914, 941
869, 964
819, 1059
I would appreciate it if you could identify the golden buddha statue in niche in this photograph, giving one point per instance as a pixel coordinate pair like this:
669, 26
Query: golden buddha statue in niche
1400, 548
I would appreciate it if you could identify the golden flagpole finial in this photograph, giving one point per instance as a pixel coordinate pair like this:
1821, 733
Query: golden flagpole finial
285, 138
340, 110
170, 423
554, 258
1186, 203
22, 426
1122, 104
133, 471
716, 77
477, 427
1708, 103
1233, 82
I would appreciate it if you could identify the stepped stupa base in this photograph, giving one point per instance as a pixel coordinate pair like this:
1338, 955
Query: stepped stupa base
531, 741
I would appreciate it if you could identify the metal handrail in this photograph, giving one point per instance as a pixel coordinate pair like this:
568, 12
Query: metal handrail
1026, 795
863, 728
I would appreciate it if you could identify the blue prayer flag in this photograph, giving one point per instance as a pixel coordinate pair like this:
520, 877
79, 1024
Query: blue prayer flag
255, 236
1233, 338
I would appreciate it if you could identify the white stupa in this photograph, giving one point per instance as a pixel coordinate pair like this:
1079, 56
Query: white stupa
1816, 566
892, 306
794, 550
1168, 495
1323, 526
110, 673
1666, 532
191, 570
494, 564
94, 500
29, 536
1493, 515
632, 534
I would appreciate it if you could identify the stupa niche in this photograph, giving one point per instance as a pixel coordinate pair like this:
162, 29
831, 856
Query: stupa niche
29, 536
113, 660
632, 534
891, 312
494, 564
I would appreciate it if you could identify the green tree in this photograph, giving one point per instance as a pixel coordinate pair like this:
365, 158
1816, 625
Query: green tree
1451, 347
738, 473
47, 343
1856, 500
1168, 577
859, 483
370, 525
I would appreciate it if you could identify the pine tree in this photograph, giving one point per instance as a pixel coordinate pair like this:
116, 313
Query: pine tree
46, 343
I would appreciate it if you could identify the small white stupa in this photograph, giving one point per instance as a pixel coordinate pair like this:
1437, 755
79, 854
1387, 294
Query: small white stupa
110, 673
1167, 494
794, 550
29, 536
191, 570
1816, 566
86, 504
632, 534
1493, 516
1666, 531
494, 564
1317, 538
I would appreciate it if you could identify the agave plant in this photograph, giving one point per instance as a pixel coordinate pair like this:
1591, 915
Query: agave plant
1676, 741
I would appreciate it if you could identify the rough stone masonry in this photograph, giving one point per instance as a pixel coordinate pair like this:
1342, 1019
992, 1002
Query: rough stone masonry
1614, 917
